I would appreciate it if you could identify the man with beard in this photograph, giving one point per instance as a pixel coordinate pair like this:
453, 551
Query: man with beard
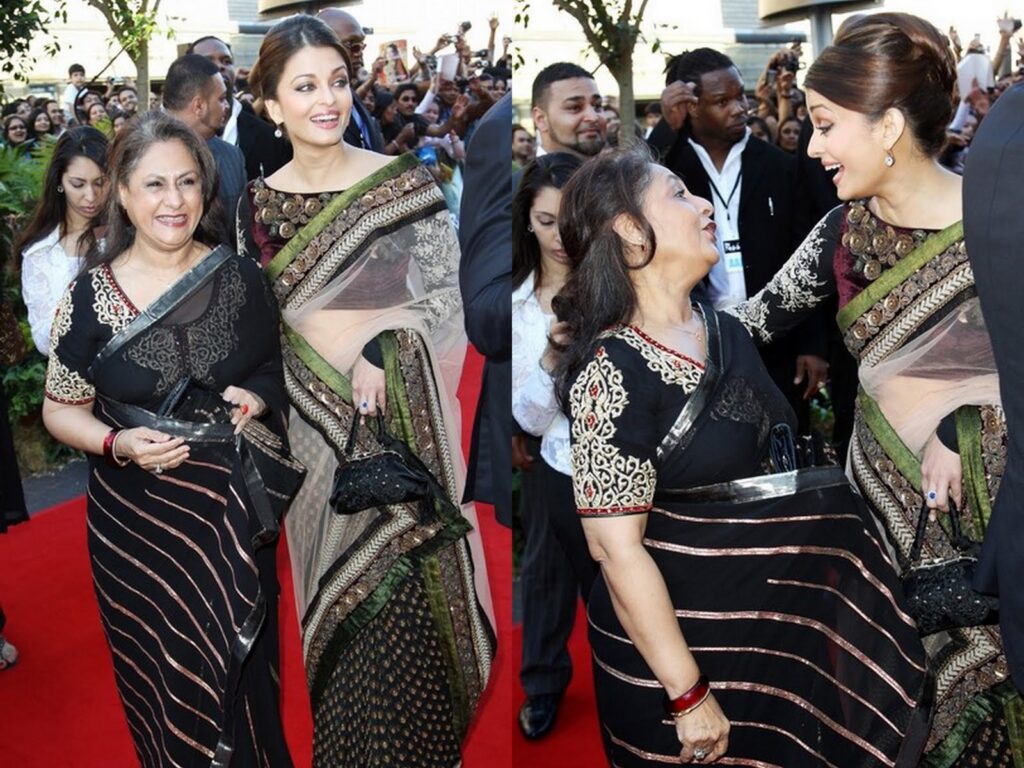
196, 94
703, 137
362, 130
567, 111
264, 152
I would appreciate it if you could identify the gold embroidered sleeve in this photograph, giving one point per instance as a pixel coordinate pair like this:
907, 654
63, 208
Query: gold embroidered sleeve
65, 384
611, 476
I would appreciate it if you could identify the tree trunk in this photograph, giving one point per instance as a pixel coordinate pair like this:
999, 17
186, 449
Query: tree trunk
623, 74
142, 75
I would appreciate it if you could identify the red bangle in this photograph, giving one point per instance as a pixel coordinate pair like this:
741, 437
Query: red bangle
686, 702
108, 449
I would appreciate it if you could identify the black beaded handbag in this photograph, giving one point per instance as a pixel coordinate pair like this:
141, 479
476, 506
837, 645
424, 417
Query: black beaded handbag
392, 475
940, 594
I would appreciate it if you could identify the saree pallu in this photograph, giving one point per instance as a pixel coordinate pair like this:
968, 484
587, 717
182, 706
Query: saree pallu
923, 351
397, 642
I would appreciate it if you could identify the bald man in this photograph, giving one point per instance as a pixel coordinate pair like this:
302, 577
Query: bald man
362, 130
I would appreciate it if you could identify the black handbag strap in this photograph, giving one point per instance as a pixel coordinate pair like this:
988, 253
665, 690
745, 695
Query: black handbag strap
922, 523
383, 437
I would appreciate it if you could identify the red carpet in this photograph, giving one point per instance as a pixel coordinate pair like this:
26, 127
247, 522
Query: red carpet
59, 706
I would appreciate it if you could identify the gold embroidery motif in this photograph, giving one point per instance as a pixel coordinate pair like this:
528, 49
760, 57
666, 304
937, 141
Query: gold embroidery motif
604, 480
66, 386
111, 306
673, 368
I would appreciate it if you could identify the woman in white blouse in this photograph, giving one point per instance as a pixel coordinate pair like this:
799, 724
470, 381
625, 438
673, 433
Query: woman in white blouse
63, 227
556, 566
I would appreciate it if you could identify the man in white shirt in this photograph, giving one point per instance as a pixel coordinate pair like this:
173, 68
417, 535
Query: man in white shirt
76, 76
703, 137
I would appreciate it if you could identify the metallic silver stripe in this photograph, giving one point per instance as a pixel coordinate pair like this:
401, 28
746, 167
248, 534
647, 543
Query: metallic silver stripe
803, 621
748, 521
642, 753
161, 750
172, 593
626, 640
842, 554
769, 690
783, 732
881, 630
793, 657
640, 681
698, 400
758, 488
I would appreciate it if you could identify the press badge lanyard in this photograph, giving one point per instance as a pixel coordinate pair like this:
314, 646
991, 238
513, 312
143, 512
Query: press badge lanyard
721, 199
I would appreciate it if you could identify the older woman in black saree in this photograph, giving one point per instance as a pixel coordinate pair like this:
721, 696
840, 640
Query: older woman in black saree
746, 609
165, 368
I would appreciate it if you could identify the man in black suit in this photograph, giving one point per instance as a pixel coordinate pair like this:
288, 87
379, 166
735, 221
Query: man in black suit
994, 233
264, 151
195, 93
485, 277
362, 129
703, 137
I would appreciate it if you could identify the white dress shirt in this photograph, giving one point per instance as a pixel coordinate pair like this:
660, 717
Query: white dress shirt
728, 286
46, 273
534, 405
230, 133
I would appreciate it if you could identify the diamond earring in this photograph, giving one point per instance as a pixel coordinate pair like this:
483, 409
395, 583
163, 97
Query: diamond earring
278, 134
890, 161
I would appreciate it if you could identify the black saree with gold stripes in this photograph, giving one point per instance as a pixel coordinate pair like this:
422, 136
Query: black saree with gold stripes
397, 639
183, 561
780, 582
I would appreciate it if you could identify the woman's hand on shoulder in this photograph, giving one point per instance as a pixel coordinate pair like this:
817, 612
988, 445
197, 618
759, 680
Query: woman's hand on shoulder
369, 388
705, 728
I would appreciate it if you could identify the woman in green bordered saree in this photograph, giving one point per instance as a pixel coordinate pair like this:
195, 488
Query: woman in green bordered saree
360, 252
928, 424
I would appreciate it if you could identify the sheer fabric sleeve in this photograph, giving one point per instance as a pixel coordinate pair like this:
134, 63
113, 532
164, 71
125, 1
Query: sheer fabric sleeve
612, 452
805, 281
73, 346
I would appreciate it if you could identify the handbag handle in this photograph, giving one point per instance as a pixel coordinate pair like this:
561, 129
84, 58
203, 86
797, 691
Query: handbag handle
351, 444
922, 523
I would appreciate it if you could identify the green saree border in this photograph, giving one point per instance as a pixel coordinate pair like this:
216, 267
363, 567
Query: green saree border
904, 459
968, 435
1003, 696
342, 200
880, 288
423, 559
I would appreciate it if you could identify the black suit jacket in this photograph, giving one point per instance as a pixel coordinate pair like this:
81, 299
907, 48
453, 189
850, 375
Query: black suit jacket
770, 228
994, 231
485, 277
354, 137
264, 152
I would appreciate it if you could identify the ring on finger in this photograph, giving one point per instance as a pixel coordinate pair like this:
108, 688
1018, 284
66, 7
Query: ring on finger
159, 469
699, 753
244, 408
932, 495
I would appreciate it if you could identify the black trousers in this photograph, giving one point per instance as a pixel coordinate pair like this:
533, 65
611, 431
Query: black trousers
557, 568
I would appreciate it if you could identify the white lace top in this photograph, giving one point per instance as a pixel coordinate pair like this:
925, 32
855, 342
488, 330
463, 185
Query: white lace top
534, 405
46, 272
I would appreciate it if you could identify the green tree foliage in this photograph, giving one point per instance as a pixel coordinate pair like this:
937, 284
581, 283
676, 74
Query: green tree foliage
612, 28
20, 22
133, 22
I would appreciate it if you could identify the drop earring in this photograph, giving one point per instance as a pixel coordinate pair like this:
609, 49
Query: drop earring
890, 161
60, 188
278, 134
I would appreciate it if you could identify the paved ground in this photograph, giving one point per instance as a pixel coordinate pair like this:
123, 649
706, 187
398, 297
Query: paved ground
44, 491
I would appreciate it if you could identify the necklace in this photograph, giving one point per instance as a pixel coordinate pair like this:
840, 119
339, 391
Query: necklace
698, 334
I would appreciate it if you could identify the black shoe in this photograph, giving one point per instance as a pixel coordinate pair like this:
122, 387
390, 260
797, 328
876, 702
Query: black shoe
537, 715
